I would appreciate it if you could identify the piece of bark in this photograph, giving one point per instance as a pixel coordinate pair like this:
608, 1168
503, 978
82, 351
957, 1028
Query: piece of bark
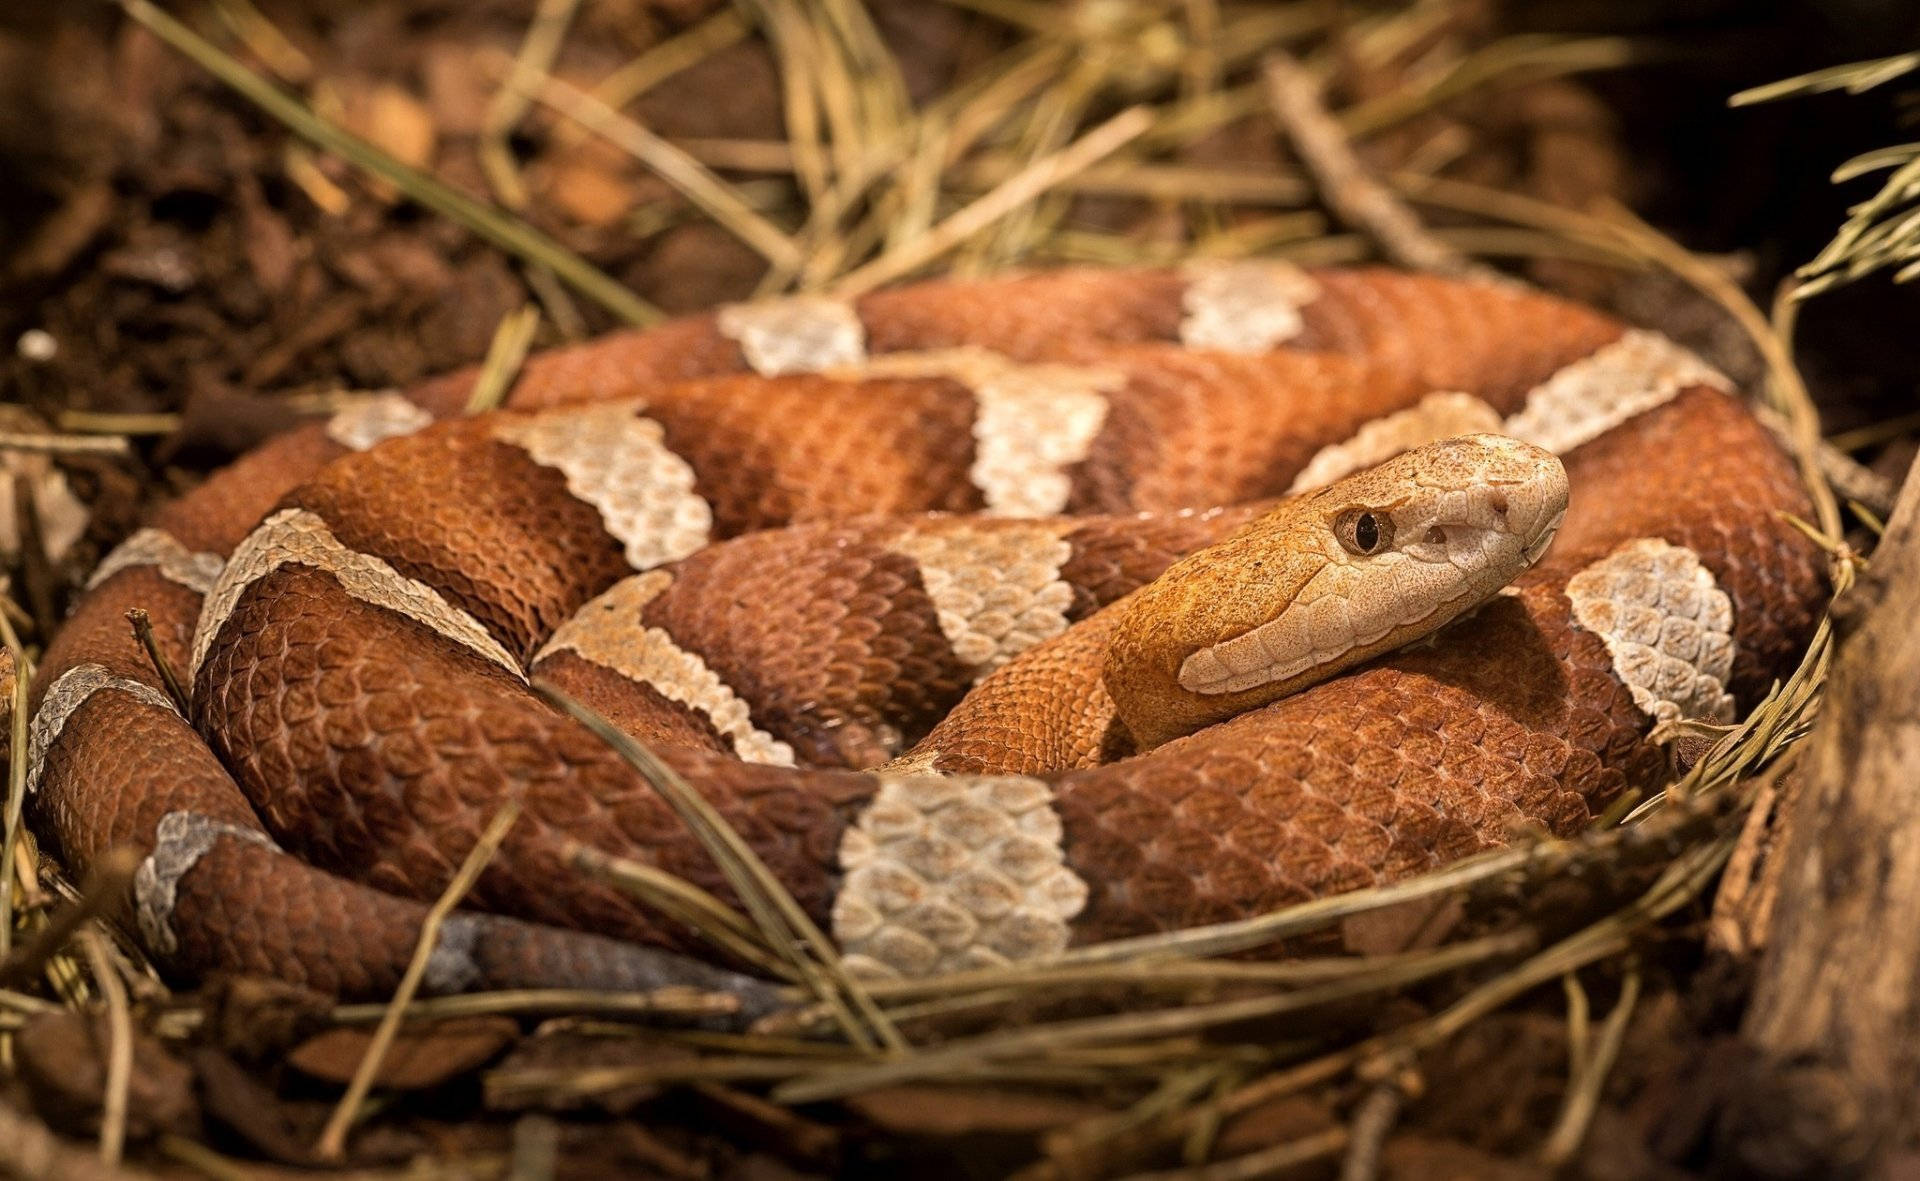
1835, 1019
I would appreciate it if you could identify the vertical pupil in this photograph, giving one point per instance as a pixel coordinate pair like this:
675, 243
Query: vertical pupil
1366, 532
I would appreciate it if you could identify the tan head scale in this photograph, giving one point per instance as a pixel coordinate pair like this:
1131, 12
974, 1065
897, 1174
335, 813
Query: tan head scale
1331, 579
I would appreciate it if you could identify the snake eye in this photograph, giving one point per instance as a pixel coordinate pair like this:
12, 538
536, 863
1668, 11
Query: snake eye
1363, 531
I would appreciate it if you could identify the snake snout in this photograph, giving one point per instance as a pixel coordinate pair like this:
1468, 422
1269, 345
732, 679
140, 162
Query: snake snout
1487, 492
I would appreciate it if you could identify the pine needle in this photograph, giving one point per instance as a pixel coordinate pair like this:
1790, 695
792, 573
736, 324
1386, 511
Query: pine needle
1854, 78
119, 1072
506, 353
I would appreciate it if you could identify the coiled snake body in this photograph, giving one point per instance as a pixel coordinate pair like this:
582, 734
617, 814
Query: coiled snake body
718, 534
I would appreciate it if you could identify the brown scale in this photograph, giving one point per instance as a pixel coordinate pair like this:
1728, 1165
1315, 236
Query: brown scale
1192, 429
827, 636
1434, 331
1362, 780
613, 366
1442, 334
1041, 714
215, 516
638, 710
769, 451
379, 750
494, 532
1113, 556
123, 764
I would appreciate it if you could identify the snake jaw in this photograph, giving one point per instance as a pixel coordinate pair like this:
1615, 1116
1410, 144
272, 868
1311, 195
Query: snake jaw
1220, 634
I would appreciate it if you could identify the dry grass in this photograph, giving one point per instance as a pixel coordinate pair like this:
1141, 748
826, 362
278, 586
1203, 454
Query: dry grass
869, 189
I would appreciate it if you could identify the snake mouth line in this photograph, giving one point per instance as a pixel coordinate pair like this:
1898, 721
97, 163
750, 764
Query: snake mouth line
1538, 549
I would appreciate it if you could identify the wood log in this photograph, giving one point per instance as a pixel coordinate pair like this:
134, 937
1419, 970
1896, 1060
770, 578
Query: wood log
1835, 1018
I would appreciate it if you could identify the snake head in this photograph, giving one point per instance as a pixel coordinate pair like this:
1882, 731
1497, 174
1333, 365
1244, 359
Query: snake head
1328, 580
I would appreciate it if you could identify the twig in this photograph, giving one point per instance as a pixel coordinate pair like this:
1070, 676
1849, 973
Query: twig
1583, 1093
143, 632
333, 1139
1372, 1123
495, 225
559, 306
1012, 193
1238, 186
1345, 184
265, 41
107, 883
113, 1107
1787, 388
1237, 935
1167, 971
1854, 78
1579, 1024
506, 352
1875, 432
1527, 57
36, 567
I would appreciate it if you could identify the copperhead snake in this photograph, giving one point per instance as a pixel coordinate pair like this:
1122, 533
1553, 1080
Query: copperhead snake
855, 569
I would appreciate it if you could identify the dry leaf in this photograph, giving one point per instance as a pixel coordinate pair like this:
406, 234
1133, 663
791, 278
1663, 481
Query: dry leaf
422, 1057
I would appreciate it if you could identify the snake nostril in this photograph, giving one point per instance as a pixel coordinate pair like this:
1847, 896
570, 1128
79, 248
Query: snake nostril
1437, 535
1498, 502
